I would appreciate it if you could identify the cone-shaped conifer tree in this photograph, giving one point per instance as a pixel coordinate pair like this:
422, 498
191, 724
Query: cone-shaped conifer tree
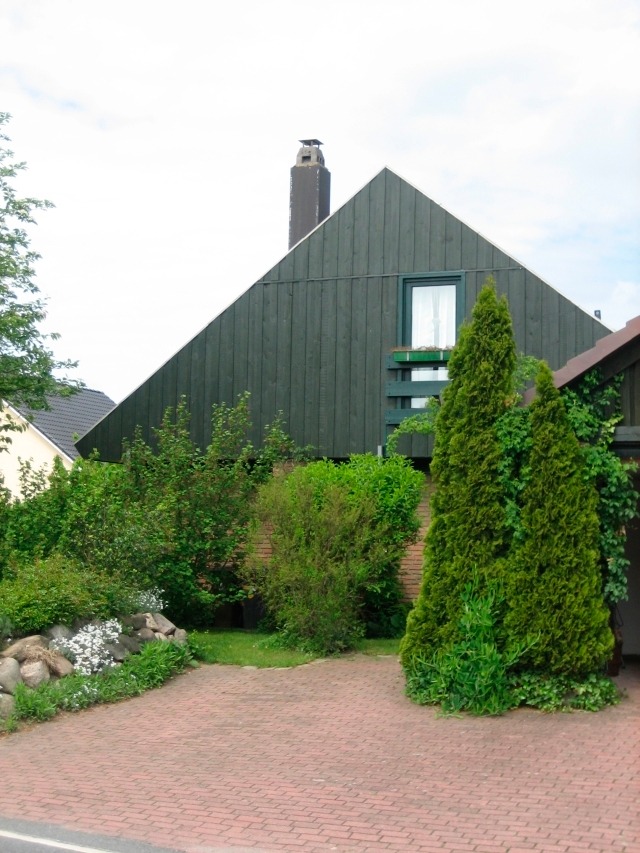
554, 586
468, 531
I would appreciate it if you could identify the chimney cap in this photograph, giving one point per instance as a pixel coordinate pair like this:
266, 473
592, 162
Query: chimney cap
311, 142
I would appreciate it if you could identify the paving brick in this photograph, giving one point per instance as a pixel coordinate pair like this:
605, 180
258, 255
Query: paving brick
330, 757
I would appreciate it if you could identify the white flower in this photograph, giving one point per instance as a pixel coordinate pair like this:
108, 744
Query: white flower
87, 647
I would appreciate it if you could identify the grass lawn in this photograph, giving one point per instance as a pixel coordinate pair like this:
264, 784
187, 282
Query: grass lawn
251, 648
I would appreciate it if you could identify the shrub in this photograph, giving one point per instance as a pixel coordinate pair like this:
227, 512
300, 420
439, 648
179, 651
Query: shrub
554, 586
58, 590
337, 534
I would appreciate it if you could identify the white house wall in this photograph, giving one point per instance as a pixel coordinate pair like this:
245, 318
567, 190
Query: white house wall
28, 445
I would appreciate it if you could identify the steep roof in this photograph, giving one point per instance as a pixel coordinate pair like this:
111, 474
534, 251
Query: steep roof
68, 417
310, 338
618, 345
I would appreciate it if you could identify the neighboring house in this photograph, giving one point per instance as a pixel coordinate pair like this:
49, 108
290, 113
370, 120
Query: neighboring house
49, 433
351, 329
618, 353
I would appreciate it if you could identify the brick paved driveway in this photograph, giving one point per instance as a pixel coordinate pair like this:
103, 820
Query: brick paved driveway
329, 756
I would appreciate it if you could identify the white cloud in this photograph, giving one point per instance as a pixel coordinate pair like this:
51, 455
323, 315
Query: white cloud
164, 133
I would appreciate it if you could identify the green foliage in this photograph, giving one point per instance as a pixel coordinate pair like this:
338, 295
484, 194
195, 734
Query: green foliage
553, 587
469, 525
563, 693
472, 673
36, 595
27, 364
175, 517
156, 663
337, 536
594, 411
194, 506
422, 423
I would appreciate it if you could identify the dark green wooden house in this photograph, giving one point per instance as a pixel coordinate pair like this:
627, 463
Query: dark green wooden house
351, 329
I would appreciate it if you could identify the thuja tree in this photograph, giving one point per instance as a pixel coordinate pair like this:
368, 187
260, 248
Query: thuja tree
468, 536
553, 587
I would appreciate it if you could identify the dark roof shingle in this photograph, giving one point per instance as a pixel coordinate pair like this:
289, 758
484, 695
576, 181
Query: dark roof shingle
69, 417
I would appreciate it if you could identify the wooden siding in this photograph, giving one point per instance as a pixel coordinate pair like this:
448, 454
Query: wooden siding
310, 338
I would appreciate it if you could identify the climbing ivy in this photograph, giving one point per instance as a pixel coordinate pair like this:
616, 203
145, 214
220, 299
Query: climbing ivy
594, 410
422, 423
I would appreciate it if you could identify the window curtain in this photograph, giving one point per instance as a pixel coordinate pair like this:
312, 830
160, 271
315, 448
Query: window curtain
433, 313
433, 324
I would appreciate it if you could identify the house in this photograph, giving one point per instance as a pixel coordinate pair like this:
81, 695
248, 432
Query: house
351, 330
49, 433
618, 353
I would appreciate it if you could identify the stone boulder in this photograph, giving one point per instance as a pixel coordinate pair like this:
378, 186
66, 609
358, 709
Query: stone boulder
165, 626
139, 621
9, 675
7, 704
59, 632
20, 649
130, 643
180, 636
145, 635
58, 664
118, 651
34, 673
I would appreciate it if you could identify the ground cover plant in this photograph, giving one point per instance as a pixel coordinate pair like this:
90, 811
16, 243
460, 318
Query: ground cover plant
156, 663
514, 603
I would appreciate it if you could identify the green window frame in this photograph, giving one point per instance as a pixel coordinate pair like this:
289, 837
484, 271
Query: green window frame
406, 286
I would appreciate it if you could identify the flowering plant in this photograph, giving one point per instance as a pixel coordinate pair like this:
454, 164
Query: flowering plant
87, 649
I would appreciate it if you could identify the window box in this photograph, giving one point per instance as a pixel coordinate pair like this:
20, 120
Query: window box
422, 355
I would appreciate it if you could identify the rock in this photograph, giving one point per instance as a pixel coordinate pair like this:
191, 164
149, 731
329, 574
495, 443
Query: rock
164, 625
141, 620
9, 674
7, 704
118, 651
20, 649
130, 643
145, 635
35, 673
59, 632
59, 665
180, 636
160, 636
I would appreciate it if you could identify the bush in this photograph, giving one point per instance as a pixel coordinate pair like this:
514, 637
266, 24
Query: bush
58, 590
337, 534
554, 587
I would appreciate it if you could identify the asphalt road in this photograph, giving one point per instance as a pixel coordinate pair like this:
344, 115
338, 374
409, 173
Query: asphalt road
27, 837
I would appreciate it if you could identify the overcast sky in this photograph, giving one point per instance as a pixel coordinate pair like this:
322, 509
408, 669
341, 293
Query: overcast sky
164, 132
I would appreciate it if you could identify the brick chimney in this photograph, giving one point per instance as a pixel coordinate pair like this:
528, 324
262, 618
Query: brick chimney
310, 190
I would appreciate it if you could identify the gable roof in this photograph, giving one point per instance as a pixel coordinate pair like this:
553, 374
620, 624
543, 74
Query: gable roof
311, 337
618, 346
68, 417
